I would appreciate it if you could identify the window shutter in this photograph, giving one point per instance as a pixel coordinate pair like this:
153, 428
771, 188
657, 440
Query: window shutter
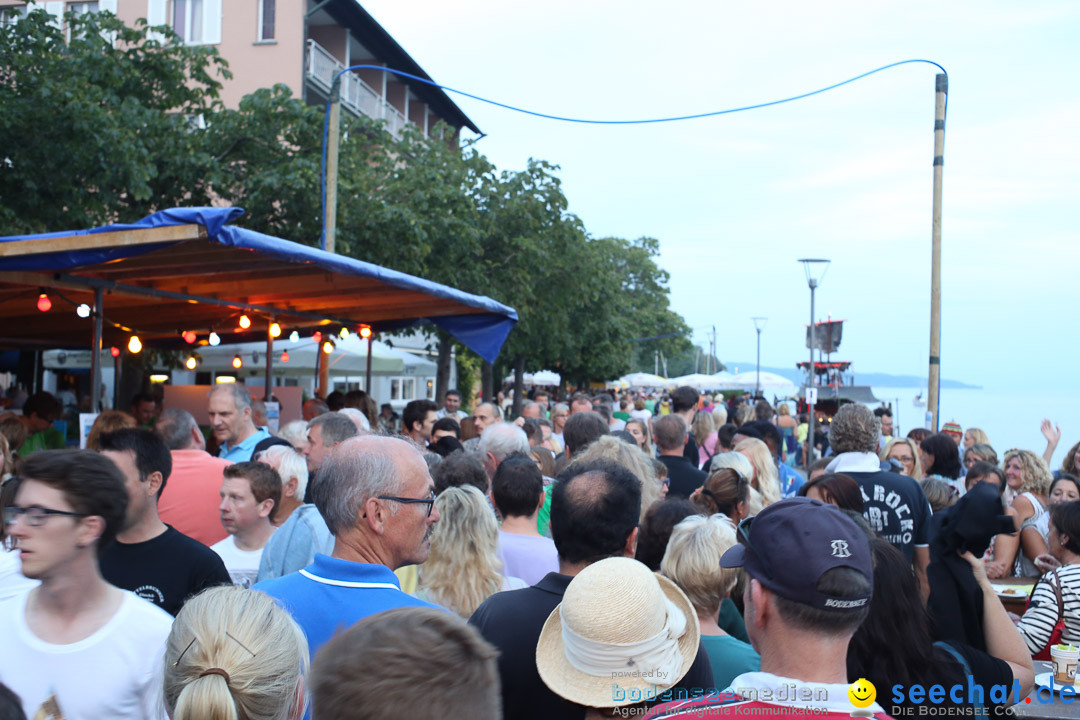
211, 22
157, 14
56, 9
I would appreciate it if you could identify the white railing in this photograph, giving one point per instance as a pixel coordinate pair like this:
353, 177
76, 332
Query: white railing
321, 67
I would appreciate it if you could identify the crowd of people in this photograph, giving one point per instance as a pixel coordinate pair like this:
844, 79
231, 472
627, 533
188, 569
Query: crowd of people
610, 555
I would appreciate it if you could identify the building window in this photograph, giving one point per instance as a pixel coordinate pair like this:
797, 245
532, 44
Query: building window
197, 22
82, 8
266, 20
11, 15
187, 20
408, 390
429, 390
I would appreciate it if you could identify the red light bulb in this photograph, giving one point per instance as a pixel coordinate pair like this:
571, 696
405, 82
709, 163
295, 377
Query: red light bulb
189, 337
114, 351
285, 356
44, 304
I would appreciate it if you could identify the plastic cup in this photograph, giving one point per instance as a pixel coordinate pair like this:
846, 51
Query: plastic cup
1065, 659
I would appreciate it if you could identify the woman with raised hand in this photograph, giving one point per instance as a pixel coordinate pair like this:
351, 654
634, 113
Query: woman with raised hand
232, 654
1029, 476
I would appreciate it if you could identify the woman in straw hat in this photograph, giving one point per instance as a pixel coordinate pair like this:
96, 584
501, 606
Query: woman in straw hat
621, 636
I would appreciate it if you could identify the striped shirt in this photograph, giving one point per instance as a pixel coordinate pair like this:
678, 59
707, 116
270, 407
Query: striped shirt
1042, 614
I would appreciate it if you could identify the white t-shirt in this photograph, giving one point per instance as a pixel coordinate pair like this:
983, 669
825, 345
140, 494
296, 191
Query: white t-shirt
243, 565
12, 581
115, 673
641, 415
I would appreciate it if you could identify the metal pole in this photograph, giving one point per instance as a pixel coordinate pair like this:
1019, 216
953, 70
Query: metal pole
269, 360
367, 372
934, 389
95, 355
757, 383
809, 405
332, 147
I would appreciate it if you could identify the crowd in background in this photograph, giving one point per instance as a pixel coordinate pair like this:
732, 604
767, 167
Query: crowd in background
657, 554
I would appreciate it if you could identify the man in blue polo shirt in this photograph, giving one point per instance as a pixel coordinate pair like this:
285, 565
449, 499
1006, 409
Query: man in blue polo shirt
230, 418
378, 500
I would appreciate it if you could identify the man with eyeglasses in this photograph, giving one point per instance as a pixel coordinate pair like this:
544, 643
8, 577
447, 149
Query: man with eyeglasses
378, 500
76, 646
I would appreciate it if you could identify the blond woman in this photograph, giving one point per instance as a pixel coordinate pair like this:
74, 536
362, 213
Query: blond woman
462, 569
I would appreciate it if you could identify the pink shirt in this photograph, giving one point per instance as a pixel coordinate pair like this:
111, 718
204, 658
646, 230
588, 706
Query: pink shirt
192, 494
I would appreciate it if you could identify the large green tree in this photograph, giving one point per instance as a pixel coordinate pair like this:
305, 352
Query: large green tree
101, 126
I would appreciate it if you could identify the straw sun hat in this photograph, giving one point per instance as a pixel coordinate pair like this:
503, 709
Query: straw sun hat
621, 634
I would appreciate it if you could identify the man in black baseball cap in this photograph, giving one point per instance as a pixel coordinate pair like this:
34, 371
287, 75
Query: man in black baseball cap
810, 577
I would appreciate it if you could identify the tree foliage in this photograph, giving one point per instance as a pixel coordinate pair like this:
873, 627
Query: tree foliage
96, 131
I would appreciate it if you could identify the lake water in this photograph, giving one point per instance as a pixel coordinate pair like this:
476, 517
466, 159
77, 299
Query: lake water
1010, 417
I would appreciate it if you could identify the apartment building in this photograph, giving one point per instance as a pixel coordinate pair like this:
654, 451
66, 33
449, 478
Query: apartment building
300, 43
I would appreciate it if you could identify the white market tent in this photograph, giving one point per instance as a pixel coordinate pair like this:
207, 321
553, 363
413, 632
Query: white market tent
639, 380
542, 377
348, 358
749, 381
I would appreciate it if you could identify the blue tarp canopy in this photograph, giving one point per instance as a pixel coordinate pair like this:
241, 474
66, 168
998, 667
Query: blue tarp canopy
188, 269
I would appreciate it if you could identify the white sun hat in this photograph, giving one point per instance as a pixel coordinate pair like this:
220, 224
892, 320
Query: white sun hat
620, 634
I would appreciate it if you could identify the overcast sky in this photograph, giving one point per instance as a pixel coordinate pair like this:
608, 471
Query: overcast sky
736, 200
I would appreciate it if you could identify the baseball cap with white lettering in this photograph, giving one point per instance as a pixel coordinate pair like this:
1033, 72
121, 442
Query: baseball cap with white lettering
789, 545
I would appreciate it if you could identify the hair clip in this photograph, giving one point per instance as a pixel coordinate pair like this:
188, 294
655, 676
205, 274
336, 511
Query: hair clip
184, 653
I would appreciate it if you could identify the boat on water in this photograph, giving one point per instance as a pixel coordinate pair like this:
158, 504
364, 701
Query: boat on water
834, 379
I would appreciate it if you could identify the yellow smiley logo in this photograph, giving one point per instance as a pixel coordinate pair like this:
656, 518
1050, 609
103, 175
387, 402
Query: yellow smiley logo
862, 693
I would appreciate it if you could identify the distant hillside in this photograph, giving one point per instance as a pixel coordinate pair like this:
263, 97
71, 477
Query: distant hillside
875, 379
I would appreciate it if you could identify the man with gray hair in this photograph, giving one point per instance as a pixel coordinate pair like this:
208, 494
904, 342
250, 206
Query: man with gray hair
378, 499
302, 532
189, 502
500, 441
324, 433
896, 506
230, 417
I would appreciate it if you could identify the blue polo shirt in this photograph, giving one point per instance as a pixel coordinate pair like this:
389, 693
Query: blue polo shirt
330, 595
241, 451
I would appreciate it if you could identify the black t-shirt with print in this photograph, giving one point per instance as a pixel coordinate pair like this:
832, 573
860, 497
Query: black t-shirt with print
896, 508
165, 570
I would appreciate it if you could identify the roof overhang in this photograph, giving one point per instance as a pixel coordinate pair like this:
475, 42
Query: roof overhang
188, 269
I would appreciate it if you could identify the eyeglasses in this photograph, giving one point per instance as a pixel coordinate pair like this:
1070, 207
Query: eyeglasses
429, 500
35, 516
744, 538
906, 459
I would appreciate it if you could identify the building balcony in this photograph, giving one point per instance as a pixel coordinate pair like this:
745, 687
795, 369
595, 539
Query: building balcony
320, 68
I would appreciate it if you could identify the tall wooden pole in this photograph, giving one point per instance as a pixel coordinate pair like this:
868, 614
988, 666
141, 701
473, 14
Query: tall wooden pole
813, 381
95, 356
333, 143
934, 389
324, 370
269, 360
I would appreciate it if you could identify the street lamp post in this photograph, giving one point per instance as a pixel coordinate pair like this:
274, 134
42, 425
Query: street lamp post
815, 269
759, 325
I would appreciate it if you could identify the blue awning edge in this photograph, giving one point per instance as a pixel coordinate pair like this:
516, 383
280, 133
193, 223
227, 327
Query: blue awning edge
484, 333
